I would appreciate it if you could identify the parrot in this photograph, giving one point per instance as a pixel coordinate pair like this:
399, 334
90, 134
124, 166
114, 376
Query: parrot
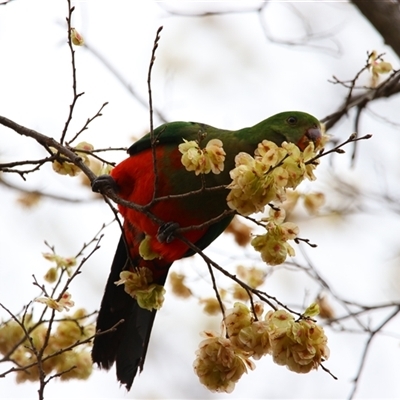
154, 170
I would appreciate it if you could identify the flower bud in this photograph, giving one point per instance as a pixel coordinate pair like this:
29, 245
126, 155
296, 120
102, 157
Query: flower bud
76, 38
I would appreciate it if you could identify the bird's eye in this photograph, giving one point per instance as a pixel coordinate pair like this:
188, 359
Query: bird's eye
292, 120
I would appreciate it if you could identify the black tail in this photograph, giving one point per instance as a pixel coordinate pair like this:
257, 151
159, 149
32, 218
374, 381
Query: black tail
127, 344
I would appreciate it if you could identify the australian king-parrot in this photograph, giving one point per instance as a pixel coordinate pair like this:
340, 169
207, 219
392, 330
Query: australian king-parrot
134, 180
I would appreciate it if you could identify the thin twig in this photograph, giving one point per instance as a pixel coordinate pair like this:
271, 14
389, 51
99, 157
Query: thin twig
263, 296
215, 287
366, 349
338, 149
76, 95
153, 140
88, 121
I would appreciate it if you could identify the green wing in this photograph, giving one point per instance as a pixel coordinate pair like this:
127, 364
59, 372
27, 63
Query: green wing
170, 133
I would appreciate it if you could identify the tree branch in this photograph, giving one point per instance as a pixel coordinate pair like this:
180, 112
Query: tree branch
388, 88
385, 18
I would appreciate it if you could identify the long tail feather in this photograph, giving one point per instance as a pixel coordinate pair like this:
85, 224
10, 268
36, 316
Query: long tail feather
127, 344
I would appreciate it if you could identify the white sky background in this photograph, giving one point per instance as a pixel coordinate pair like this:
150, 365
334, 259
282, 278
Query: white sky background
221, 71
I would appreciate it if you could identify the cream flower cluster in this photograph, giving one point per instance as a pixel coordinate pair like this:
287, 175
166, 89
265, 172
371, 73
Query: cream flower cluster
70, 331
259, 180
61, 264
68, 168
273, 245
64, 303
218, 365
138, 285
299, 345
377, 67
203, 161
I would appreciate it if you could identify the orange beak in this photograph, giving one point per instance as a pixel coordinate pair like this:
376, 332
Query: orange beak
312, 135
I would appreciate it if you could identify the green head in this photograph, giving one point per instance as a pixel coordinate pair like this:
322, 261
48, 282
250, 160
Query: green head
290, 126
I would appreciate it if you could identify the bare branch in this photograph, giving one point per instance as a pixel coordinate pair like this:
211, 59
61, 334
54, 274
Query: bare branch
76, 95
338, 149
152, 138
367, 347
386, 89
48, 142
88, 121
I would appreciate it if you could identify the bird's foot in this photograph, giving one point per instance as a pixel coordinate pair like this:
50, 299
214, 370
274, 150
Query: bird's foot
104, 182
166, 232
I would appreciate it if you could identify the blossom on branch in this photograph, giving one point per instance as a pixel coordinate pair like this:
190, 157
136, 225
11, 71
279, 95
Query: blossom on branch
65, 303
145, 250
377, 67
218, 365
264, 178
149, 296
300, 345
65, 167
203, 161
273, 245
24, 351
247, 334
252, 187
76, 38
63, 263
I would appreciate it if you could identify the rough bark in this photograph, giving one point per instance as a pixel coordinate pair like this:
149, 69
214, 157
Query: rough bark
384, 15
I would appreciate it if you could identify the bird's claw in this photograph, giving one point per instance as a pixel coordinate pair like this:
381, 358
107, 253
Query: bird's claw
166, 232
103, 182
